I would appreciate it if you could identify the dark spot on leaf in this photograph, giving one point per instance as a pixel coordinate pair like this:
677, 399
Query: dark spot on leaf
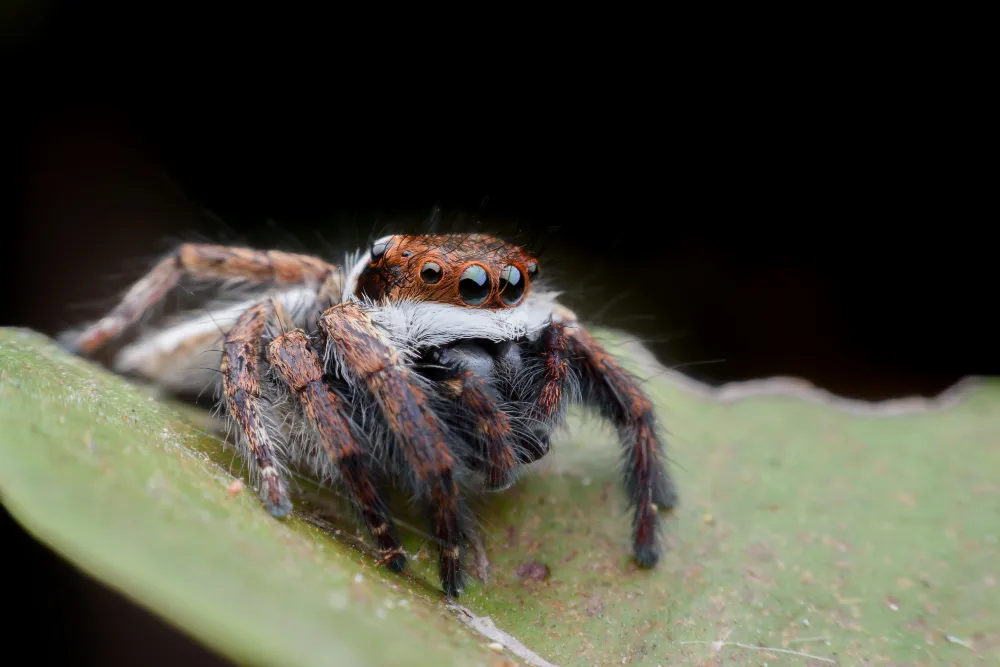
570, 556
594, 606
532, 571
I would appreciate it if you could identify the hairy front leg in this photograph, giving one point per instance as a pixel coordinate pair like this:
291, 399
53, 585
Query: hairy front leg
241, 385
202, 262
550, 402
299, 367
358, 351
608, 386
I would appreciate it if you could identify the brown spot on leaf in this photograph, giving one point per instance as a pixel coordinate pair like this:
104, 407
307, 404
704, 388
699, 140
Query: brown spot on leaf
594, 606
532, 571
570, 556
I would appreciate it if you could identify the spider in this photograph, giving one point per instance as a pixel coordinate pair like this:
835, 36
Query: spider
437, 363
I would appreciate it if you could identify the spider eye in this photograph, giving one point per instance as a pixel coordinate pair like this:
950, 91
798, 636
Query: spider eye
511, 285
532, 269
378, 250
430, 273
474, 285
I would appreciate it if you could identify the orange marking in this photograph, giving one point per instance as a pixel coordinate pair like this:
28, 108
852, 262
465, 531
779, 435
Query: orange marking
396, 274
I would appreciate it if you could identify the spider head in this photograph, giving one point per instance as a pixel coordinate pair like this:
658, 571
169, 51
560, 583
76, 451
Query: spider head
465, 270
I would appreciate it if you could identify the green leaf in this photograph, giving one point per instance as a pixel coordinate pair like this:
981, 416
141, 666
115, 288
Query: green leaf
849, 535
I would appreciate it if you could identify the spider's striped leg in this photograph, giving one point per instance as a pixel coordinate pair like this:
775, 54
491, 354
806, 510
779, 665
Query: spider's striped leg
550, 402
479, 408
295, 362
609, 387
241, 385
359, 352
202, 262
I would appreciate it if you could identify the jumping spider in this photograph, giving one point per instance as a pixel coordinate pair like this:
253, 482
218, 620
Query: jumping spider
434, 363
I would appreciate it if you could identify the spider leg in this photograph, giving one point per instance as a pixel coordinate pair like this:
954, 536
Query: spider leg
360, 352
299, 367
616, 393
202, 262
241, 384
490, 424
555, 371
556, 375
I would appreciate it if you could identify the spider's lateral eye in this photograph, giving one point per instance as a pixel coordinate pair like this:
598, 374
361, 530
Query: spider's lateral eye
511, 285
474, 285
430, 273
532, 269
378, 250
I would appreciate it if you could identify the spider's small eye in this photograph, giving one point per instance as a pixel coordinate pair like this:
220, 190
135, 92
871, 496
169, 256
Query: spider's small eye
430, 273
511, 285
378, 250
474, 285
532, 269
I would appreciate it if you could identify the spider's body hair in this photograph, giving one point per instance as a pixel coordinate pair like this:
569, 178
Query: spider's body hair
363, 377
420, 325
179, 353
175, 352
179, 358
358, 261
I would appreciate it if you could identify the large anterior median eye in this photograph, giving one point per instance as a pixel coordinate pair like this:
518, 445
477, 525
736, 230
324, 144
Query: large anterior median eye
474, 285
511, 285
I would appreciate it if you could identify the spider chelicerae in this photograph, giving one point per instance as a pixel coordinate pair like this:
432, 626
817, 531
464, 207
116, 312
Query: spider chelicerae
435, 363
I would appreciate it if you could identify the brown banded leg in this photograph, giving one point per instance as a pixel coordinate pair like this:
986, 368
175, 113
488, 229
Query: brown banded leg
614, 391
202, 262
358, 351
297, 364
555, 371
492, 426
241, 374
550, 400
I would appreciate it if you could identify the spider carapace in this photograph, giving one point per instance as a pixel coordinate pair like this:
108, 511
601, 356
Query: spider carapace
436, 363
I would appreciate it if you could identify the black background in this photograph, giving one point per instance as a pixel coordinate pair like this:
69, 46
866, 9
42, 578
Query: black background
744, 209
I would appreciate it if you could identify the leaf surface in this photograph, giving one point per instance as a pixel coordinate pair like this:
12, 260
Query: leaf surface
805, 530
